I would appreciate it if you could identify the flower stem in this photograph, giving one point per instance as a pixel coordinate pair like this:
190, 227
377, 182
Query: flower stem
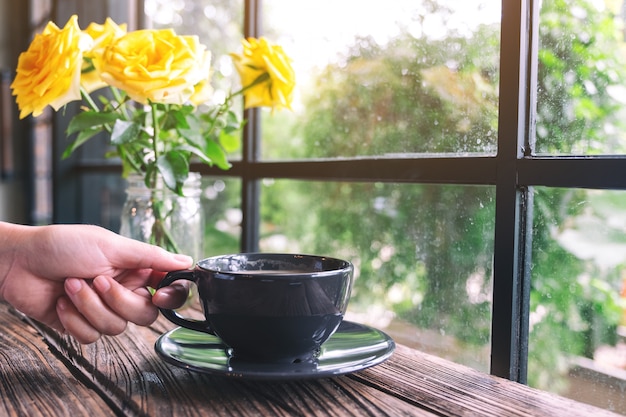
155, 136
260, 79
160, 232
121, 101
85, 95
227, 102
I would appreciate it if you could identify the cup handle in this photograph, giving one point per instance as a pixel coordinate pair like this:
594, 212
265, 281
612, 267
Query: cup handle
172, 315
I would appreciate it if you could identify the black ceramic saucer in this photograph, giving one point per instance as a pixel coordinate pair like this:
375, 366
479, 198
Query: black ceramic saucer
351, 348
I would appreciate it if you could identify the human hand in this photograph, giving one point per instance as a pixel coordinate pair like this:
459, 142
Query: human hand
85, 280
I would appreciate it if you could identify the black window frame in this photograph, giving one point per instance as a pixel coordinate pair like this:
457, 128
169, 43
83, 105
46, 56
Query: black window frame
513, 171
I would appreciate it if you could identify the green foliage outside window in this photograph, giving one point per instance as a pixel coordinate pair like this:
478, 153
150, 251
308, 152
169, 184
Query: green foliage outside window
421, 96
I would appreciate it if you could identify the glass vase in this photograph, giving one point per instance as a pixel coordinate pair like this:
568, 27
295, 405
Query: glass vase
161, 217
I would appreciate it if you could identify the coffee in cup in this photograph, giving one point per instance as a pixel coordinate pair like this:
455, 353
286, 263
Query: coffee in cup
268, 307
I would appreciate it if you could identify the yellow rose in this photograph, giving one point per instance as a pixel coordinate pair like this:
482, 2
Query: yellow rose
48, 73
203, 91
156, 65
266, 74
102, 35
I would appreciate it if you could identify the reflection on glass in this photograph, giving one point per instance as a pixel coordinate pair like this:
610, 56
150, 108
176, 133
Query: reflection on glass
422, 255
581, 92
404, 77
577, 347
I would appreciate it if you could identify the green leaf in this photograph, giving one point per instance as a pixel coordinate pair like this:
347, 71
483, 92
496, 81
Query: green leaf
124, 132
196, 151
192, 135
217, 155
174, 168
90, 120
82, 137
131, 160
232, 118
175, 117
230, 142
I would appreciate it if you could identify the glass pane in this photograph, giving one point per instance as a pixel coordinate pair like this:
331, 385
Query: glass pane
577, 316
422, 255
581, 80
380, 79
221, 202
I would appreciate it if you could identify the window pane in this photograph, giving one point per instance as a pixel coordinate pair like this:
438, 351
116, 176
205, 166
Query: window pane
381, 79
422, 255
579, 255
221, 204
581, 90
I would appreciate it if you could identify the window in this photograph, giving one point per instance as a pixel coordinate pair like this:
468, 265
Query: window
467, 159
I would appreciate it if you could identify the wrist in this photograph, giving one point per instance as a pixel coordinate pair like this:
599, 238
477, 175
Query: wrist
12, 237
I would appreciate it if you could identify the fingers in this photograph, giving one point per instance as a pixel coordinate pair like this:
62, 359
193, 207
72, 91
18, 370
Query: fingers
173, 296
74, 323
105, 307
86, 312
134, 306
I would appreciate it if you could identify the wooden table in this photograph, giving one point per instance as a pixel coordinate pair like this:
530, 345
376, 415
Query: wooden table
43, 374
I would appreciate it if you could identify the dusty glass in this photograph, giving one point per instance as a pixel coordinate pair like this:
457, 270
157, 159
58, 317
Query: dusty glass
404, 77
581, 89
422, 255
577, 313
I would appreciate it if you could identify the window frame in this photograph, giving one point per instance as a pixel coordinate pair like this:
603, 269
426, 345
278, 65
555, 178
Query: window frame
513, 171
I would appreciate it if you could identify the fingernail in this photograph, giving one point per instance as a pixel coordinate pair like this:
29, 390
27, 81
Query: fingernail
73, 285
62, 303
102, 284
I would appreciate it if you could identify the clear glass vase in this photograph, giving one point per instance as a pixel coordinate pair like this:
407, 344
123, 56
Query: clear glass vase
161, 217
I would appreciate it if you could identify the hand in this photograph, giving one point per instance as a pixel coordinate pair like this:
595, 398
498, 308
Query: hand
85, 280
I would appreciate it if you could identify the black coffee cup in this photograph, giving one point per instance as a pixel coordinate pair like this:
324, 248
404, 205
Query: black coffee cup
268, 307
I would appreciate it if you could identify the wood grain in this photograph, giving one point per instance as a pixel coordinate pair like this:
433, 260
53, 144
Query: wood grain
128, 374
33, 380
45, 374
451, 389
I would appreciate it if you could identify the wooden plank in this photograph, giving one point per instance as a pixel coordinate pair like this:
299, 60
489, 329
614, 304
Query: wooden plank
128, 374
132, 380
33, 382
450, 389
